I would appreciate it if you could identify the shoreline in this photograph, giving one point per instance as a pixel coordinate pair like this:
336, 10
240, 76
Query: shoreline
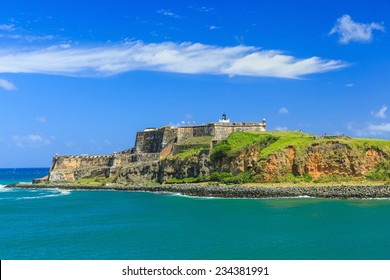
237, 191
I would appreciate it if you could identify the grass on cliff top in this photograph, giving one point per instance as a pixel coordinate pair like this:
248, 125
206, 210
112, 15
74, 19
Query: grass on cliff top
268, 142
94, 181
301, 141
276, 141
368, 143
188, 154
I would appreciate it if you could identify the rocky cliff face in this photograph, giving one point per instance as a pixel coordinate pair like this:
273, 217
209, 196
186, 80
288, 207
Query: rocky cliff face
320, 160
163, 170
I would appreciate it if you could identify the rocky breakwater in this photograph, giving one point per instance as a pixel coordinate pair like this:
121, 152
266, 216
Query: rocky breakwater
332, 192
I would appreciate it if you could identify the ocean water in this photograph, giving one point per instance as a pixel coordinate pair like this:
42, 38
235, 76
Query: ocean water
58, 224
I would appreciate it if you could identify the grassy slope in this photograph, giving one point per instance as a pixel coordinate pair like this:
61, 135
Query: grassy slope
274, 142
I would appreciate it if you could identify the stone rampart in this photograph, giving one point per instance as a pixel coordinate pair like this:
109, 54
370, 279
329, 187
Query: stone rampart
72, 162
223, 130
154, 140
71, 168
186, 132
151, 145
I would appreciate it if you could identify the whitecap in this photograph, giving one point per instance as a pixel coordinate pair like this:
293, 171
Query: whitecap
4, 189
59, 193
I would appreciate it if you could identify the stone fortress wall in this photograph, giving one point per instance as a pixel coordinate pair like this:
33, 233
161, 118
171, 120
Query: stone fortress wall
152, 144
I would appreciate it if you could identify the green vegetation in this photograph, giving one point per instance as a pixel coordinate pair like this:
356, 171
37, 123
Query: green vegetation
273, 142
290, 178
277, 142
192, 147
365, 144
188, 180
381, 172
220, 176
188, 154
300, 141
94, 181
238, 141
228, 178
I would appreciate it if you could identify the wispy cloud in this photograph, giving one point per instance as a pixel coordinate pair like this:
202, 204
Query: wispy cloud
31, 140
378, 129
370, 129
7, 85
189, 58
350, 85
41, 119
214, 27
381, 113
283, 111
27, 38
351, 31
168, 13
7, 27
15, 33
205, 9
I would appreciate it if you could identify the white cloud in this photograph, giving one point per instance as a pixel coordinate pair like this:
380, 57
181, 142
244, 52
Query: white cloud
205, 9
7, 85
370, 129
350, 31
27, 38
283, 111
381, 113
7, 27
189, 58
41, 119
281, 128
379, 128
20, 34
350, 85
31, 140
168, 13
214, 27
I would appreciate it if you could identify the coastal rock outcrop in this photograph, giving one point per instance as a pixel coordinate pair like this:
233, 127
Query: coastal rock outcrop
242, 157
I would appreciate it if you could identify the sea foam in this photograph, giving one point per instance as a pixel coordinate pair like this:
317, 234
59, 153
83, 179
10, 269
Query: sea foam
59, 193
4, 189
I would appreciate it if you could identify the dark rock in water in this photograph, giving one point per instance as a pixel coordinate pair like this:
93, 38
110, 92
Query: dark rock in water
41, 180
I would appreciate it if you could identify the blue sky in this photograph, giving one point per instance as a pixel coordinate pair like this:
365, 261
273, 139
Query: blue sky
85, 76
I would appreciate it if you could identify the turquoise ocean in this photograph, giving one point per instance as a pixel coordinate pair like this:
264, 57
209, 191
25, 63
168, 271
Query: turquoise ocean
62, 224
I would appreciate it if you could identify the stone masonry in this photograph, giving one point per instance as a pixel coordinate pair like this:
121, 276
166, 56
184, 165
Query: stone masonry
151, 145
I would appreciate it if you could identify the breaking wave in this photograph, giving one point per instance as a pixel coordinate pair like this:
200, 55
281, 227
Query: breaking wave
43, 195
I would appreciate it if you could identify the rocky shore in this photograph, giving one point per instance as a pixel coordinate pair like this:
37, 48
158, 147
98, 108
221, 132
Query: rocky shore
333, 192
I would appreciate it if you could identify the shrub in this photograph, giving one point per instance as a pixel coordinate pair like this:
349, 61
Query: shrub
307, 177
220, 151
381, 172
220, 176
181, 181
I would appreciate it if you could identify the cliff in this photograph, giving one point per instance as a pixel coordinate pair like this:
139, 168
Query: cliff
242, 157
297, 156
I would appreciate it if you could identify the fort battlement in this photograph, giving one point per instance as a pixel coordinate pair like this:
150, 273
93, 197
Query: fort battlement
151, 145
157, 140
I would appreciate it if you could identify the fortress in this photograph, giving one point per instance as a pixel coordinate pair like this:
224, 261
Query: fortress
151, 145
